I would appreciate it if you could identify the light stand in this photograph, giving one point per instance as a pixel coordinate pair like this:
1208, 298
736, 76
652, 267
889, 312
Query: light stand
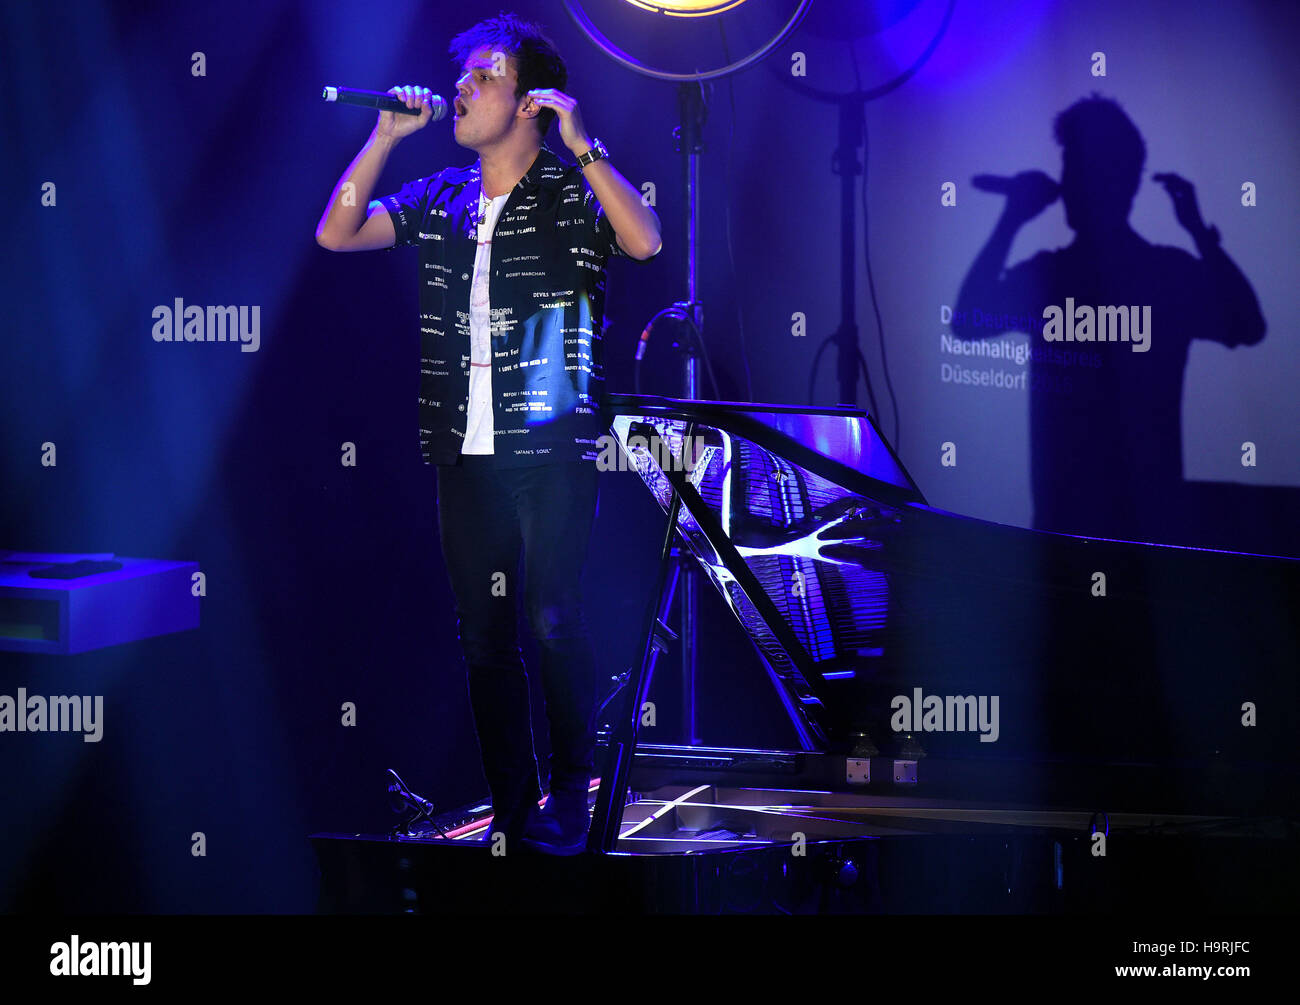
690, 144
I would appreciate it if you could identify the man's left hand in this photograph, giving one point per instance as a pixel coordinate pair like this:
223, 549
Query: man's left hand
1183, 193
572, 131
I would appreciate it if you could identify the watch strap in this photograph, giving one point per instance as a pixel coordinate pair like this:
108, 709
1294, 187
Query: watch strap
596, 152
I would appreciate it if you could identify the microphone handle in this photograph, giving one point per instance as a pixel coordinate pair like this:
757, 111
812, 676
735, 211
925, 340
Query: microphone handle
991, 183
380, 100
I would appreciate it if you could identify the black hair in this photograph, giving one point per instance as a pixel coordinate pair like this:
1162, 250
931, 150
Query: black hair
1098, 130
537, 62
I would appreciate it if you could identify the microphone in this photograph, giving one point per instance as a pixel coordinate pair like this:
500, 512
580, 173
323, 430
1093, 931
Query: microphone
992, 183
998, 183
398, 788
382, 101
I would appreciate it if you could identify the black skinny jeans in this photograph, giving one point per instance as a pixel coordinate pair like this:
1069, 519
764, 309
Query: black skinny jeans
487, 517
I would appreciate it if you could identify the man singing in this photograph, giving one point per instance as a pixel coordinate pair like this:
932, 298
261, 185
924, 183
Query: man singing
512, 253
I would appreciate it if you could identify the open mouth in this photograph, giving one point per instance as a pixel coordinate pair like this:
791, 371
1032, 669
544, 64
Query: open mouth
461, 107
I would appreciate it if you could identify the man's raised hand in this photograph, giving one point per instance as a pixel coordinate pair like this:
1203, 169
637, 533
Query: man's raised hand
1028, 194
1186, 209
572, 131
396, 126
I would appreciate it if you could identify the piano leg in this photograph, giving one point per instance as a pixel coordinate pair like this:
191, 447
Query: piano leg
608, 812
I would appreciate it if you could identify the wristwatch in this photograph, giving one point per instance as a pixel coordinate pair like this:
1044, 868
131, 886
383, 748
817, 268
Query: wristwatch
596, 152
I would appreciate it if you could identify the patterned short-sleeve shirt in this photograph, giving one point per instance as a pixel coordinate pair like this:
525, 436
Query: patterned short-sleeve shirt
547, 292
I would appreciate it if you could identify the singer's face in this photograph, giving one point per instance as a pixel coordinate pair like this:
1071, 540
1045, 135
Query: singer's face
485, 102
1095, 196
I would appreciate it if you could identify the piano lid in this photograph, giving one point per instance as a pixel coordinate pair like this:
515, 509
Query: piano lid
846, 438
787, 511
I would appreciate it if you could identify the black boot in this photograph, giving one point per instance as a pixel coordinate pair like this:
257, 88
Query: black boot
569, 681
560, 827
514, 822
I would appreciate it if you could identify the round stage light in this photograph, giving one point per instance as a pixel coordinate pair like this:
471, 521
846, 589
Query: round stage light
647, 34
687, 8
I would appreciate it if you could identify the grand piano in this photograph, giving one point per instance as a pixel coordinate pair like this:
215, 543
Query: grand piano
977, 708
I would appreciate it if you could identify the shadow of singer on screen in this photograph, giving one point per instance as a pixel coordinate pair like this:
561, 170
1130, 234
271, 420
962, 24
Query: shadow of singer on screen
1110, 319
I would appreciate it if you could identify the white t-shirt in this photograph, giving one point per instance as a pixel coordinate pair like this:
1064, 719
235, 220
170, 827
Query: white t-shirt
478, 423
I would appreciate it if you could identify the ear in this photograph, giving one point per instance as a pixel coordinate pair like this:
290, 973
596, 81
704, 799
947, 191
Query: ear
530, 109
